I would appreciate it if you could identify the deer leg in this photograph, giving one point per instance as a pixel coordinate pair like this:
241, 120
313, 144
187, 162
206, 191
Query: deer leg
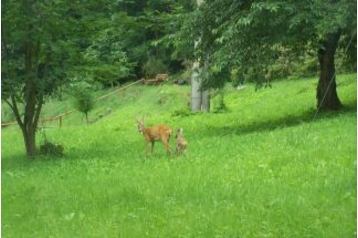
167, 147
152, 148
146, 148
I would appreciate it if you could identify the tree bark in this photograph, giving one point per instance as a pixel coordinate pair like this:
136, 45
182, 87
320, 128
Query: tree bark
195, 91
29, 134
200, 99
30, 118
29, 124
327, 98
33, 99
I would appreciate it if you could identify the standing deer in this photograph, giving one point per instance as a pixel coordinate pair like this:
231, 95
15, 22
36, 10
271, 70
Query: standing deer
155, 133
181, 143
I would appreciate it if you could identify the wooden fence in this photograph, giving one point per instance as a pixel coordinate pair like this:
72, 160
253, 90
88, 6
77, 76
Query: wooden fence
60, 117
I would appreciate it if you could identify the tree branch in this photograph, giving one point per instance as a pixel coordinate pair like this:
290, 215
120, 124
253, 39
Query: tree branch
12, 104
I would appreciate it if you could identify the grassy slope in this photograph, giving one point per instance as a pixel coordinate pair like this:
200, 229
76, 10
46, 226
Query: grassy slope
264, 169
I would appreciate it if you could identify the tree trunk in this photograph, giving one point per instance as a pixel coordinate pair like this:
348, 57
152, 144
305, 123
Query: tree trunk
205, 101
33, 106
327, 97
33, 99
200, 100
29, 134
195, 91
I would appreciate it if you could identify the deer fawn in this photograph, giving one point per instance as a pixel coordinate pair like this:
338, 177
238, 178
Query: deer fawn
155, 133
181, 143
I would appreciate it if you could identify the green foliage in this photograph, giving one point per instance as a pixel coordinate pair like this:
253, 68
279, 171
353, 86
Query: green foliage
264, 169
183, 112
51, 150
48, 148
105, 57
143, 27
219, 103
84, 100
153, 67
262, 35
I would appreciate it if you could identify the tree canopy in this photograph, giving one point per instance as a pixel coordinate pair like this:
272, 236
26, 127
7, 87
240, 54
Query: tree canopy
259, 33
46, 44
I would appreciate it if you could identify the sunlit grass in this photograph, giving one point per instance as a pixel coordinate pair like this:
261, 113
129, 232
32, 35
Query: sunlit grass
263, 169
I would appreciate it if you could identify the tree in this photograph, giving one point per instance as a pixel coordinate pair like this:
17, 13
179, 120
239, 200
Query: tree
46, 44
200, 100
253, 34
105, 57
41, 41
32, 60
327, 97
182, 41
83, 99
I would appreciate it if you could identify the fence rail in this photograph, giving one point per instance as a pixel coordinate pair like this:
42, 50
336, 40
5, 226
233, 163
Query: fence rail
59, 118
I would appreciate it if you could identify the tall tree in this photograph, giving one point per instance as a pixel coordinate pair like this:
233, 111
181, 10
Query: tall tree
27, 55
105, 57
36, 53
200, 100
48, 43
254, 33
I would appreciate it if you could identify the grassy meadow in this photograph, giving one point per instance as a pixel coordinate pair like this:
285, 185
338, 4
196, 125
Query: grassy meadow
264, 168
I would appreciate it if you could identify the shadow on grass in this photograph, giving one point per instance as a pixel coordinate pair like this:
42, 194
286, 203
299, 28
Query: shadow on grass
20, 162
95, 154
309, 116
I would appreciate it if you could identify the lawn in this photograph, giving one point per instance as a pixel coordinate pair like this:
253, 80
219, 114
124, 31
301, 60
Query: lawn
267, 167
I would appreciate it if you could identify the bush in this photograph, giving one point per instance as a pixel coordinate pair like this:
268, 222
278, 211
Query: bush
48, 148
184, 112
84, 100
219, 103
51, 149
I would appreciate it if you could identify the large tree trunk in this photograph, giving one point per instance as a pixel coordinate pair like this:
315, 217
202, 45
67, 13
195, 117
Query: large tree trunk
200, 99
195, 91
327, 97
29, 134
33, 100
33, 106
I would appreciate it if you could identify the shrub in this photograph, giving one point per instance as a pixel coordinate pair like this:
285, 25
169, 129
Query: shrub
48, 148
51, 149
83, 99
219, 103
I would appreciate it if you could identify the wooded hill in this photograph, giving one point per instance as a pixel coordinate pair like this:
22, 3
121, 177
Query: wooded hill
51, 45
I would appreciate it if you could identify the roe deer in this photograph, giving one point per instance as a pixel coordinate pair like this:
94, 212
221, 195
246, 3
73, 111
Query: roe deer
155, 133
181, 143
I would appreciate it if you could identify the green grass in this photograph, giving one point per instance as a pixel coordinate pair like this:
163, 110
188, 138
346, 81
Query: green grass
263, 169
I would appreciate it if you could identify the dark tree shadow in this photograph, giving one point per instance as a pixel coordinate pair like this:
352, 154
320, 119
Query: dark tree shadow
309, 116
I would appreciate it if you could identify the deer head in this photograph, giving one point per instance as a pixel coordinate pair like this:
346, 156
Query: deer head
181, 143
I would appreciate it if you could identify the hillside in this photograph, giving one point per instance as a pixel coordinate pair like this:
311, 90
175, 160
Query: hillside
267, 167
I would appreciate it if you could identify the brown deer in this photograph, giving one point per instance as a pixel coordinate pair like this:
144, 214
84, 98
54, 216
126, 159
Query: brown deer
155, 133
181, 143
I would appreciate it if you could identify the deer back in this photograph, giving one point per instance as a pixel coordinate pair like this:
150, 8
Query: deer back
157, 132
